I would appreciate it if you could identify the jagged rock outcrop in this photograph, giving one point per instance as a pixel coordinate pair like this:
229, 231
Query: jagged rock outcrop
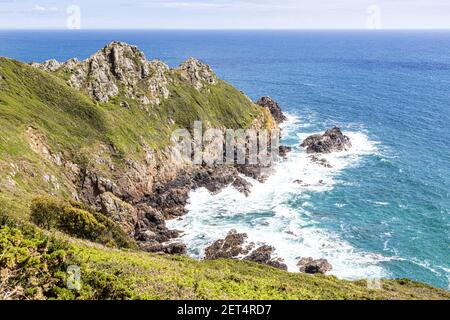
235, 246
332, 140
118, 68
122, 69
274, 108
50, 65
53, 65
311, 266
121, 212
263, 255
141, 192
171, 197
242, 185
231, 247
256, 172
199, 74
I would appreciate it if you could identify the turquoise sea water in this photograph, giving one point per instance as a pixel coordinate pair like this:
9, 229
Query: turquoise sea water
384, 208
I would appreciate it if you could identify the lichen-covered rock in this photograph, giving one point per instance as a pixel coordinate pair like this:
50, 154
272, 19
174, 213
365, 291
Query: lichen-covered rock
50, 65
332, 140
121, 212
70, 64
121, 67
199, 74
311, 266
272, 105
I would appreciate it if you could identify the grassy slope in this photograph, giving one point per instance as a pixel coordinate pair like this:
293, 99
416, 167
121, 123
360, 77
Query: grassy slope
74, 125
118, 274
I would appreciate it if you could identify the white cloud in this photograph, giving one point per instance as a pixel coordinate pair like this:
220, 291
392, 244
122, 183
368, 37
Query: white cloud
44, 8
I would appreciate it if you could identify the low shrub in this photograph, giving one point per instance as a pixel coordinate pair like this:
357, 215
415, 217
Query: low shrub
80, 221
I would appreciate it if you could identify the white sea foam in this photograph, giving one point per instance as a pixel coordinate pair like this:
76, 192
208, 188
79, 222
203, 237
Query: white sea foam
269, 216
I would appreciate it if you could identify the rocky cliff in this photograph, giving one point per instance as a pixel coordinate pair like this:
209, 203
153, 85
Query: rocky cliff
98, 131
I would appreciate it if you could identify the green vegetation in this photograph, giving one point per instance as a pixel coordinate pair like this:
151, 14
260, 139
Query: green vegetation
79, 221
33, 266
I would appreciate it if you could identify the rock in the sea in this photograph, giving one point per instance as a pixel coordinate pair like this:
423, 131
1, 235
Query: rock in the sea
253, 171
320, 161
242, 185
332, 140
230, 247
284, 150
234, 246
311, 266
264, 255
274, 108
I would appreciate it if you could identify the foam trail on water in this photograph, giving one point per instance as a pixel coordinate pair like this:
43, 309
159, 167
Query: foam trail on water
279, 212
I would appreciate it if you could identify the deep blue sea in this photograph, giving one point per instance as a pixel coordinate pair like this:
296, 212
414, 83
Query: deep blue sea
383, 210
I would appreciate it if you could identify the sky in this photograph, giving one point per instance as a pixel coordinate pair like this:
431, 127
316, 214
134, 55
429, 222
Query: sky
224, 14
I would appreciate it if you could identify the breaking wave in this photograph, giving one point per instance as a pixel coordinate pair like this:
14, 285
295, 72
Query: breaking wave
280, 212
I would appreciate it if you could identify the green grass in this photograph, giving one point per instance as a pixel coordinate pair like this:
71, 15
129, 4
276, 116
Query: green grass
34, 264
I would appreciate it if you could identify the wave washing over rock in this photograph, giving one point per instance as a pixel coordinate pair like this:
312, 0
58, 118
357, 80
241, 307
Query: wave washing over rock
269, 215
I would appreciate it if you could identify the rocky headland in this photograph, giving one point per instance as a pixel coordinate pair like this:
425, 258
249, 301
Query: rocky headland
142, 192
88, 177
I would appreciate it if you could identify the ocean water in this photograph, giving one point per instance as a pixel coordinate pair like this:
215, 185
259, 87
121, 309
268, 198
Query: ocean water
383, 210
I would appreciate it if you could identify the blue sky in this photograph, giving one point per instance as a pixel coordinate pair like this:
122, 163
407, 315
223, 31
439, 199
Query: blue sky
226, 14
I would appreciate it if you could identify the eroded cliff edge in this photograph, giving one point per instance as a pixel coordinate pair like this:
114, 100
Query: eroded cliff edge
98, 132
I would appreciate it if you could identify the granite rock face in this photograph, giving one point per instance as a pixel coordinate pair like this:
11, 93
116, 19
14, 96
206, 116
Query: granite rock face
274, 108
122, 69
331, 141
199, 74
121, 212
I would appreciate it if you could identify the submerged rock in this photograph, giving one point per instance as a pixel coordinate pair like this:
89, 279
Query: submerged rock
242, 185
274, 108
320, 161
284, 150
311, 266
332, 140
